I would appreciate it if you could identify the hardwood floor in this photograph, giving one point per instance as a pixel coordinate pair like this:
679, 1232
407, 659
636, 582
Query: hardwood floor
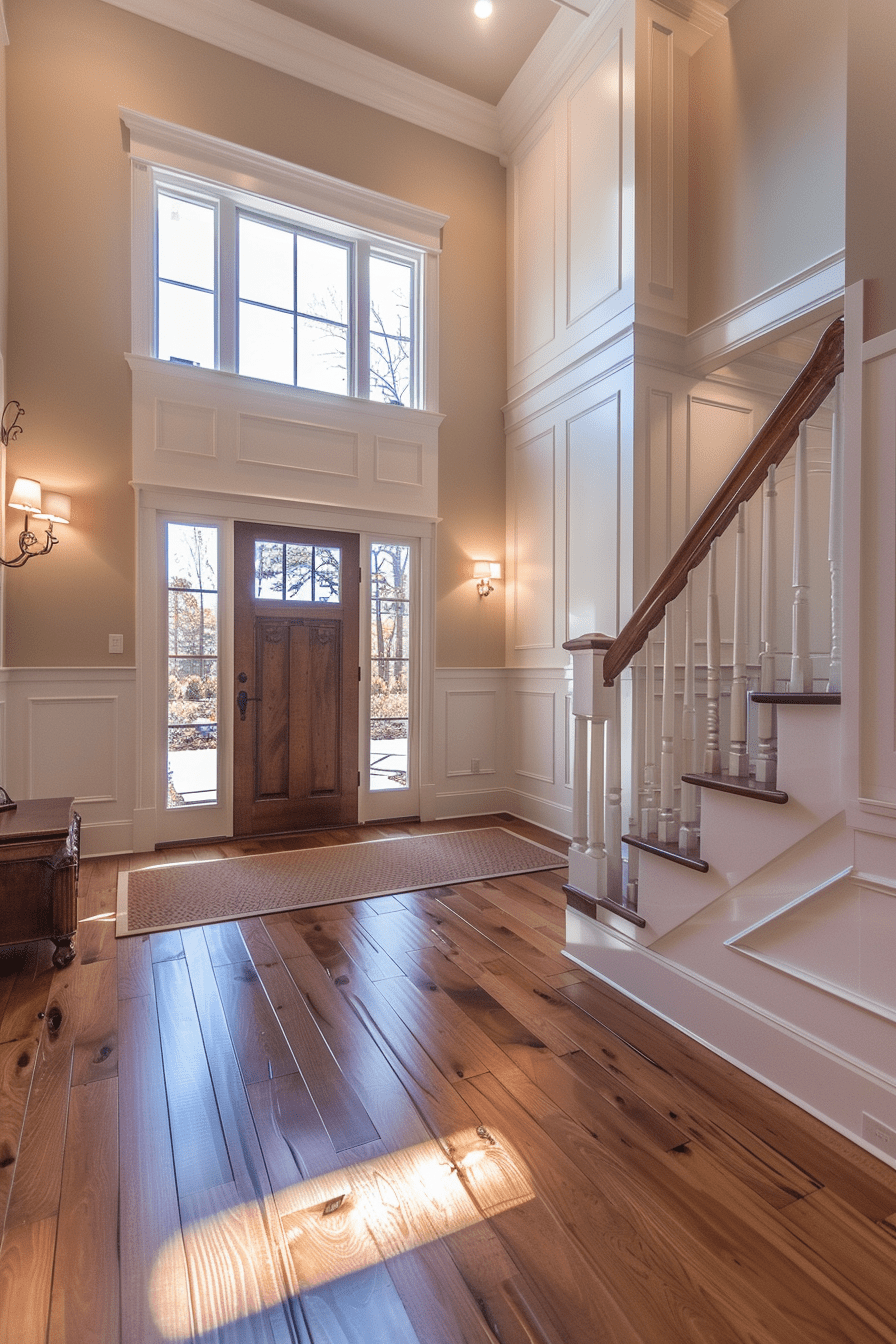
405, 1119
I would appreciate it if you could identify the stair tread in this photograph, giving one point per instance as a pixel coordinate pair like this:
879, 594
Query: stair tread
667, 850
743, 785
795, 697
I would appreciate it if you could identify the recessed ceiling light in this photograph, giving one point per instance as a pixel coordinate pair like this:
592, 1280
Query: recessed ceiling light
482, 8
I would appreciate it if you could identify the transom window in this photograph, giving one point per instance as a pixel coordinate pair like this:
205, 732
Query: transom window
288, 573
268, 294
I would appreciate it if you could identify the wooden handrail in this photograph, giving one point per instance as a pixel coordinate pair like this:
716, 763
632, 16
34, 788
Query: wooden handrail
769, 447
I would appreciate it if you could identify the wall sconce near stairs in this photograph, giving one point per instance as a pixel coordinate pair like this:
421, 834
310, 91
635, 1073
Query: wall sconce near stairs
485, 571
46, 505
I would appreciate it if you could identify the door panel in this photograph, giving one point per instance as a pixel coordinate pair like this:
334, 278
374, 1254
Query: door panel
296, 663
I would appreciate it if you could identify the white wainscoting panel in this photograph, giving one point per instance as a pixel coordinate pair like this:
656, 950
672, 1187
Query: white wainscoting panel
594, 186
532, 183
516, 723
72, 731
593, 446
532, 541
182, 428
267, 441
471, 732
534, 752
74, 747
398, 461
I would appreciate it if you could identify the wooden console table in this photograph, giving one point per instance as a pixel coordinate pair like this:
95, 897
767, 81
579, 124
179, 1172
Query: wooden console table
39, 854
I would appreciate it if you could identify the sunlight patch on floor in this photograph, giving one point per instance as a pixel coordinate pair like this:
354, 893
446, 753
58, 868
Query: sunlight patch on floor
330, 1226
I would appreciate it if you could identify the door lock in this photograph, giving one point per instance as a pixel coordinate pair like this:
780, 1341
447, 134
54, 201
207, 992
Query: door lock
242, 700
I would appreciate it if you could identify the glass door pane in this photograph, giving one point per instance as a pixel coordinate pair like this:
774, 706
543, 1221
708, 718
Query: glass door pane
390, 629
192, 581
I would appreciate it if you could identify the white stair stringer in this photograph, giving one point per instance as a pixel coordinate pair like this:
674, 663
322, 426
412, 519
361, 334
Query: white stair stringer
756, 975
739, 836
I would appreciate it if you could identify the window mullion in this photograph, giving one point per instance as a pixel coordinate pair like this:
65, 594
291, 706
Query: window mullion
227, 285
360, 320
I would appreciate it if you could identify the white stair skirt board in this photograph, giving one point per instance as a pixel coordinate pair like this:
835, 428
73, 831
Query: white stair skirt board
834, 1059
740, 836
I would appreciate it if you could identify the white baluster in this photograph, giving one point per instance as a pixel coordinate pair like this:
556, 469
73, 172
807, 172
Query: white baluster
649, 801
614, 804
738, 758
668, 825
712, 760
596, 849
835, 539
580, 786
767, 762
801, 662
689, 834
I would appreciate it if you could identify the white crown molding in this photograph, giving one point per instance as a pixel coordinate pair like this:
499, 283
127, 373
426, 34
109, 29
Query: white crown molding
164, 144
707, 15
272, 39
547, 67
813, 293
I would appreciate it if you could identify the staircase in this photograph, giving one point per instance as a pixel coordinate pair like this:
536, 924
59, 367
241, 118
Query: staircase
714, 797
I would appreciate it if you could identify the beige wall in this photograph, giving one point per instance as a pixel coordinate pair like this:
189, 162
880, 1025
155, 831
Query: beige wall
767, 143
871, 159
71, 64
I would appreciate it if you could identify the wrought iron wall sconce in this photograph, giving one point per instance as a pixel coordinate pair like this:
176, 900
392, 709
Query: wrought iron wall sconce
46, 505
485, 571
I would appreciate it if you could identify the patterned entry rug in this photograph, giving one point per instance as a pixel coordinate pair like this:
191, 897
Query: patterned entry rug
175, 895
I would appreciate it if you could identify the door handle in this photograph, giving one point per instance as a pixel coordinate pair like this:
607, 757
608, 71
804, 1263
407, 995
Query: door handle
242, 700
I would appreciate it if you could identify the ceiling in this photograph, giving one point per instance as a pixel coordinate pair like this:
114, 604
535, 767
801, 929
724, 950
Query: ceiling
441, 39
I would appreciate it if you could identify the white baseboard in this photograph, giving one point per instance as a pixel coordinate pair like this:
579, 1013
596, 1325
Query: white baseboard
544, 812
471, 803
833, 1086
100, 838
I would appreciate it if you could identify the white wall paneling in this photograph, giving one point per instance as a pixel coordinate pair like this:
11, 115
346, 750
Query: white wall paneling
594, 186
593, 511
534, 754
70, 731
532, 552
532, 183
279, 442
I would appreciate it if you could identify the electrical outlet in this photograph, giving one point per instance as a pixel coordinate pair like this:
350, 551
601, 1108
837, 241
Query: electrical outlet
474, 765
116, 643
876, 1132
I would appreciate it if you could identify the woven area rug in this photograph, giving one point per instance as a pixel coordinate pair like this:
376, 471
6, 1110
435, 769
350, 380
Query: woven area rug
176, 895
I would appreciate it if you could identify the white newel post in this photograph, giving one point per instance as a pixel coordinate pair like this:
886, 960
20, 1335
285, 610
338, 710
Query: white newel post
592, 871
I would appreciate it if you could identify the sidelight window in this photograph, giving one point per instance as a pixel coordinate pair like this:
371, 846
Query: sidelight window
192, 590
390, 644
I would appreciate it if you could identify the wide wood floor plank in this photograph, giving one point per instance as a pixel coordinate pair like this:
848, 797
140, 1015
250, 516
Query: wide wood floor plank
150, 1219
38, 1168
261, 1047
825, 1156
134, 961
201, 1160
85, 1300
342, 1111
26, 1276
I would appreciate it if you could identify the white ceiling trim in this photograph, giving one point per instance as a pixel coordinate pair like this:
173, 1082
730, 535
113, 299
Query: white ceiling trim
260, 34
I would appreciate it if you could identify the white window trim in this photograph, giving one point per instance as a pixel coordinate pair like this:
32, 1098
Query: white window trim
159, 144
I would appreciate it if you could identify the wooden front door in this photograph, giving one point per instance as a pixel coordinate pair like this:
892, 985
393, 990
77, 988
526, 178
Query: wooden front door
296, 678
